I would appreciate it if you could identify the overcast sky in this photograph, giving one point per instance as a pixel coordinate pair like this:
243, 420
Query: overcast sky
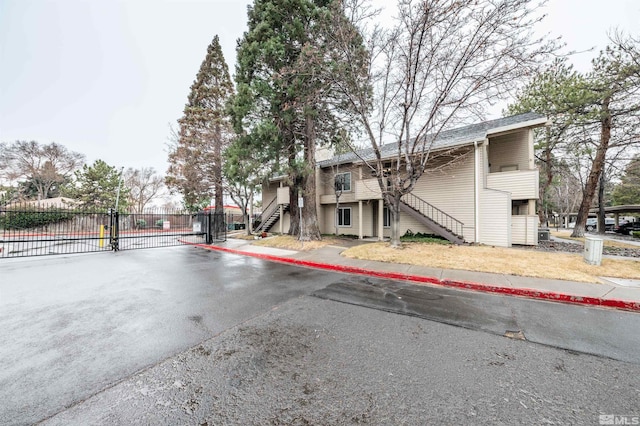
106, 77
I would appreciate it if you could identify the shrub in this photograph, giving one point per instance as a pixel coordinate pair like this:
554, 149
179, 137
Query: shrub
421, 237
33, 219
141, 223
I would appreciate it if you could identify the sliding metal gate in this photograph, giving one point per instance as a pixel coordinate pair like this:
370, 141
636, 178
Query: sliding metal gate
39, 232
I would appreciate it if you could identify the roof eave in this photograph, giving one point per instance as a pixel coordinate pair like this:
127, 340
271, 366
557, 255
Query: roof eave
531, 124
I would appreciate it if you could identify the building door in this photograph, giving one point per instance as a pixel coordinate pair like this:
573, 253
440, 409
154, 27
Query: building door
374, 217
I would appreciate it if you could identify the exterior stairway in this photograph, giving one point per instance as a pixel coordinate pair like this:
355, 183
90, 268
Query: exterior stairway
269, 216
435, 219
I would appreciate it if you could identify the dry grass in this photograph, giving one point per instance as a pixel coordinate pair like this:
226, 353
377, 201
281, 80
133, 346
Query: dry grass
289, 242
522, 262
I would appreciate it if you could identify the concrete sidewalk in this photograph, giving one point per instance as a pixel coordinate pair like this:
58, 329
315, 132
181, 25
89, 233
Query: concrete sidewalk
614, 293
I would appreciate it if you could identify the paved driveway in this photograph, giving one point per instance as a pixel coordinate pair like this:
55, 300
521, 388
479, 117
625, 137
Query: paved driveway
71, 326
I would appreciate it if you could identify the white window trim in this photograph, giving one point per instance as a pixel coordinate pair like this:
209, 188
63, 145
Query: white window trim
385, 212
350, 225
350, 181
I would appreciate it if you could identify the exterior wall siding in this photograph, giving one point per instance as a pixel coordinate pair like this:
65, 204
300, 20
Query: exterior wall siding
451, 189
269, 192
328, 226
523, 185
368, 189
524, 230
327, 176
495, 218
345, 197
284, 195
510, 150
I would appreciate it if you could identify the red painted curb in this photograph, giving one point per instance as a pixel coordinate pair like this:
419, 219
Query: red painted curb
464, 285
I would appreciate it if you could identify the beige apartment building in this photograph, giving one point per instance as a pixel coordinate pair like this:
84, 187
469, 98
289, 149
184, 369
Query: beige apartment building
484, 189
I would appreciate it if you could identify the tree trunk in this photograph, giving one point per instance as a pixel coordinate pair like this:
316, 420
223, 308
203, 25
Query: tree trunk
395, 220
294, 191
601, 221
294, 211
309, 225
249, 223
217, 178
542, 216
596, 170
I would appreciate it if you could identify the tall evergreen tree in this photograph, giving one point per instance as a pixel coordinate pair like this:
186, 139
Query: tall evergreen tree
195, 169
285, 101
628, 190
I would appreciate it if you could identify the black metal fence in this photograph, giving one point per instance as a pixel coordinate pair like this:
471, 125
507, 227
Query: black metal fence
31, 231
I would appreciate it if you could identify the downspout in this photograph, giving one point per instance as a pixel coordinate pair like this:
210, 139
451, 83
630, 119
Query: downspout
476, 204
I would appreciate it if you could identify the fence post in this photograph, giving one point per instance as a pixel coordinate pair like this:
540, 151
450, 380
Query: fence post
114, 223
209, 226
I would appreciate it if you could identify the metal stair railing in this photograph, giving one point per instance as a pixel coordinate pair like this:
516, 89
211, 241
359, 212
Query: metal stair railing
433, 213
267, 216
266, 213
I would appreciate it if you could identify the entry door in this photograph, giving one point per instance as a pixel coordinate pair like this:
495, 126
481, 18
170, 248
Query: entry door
374, 218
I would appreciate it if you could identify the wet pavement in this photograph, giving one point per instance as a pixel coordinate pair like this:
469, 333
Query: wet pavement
186, 335
609, 292
604, 332
319, 362
71, 326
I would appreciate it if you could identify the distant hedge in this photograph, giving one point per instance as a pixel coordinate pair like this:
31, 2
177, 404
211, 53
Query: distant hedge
33, 219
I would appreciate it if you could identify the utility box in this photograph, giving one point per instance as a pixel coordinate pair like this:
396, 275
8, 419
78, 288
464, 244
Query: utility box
543, 234
593, 250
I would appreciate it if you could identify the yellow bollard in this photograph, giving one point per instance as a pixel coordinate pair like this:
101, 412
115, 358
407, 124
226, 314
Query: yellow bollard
101, 243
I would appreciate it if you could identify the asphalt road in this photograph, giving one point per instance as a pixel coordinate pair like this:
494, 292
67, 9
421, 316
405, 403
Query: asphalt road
320, 362
188, 336
71, 326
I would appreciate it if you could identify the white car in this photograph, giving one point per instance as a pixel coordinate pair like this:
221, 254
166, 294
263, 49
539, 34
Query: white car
592, 224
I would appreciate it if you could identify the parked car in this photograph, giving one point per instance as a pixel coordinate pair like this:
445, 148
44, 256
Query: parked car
628, 228
592, 224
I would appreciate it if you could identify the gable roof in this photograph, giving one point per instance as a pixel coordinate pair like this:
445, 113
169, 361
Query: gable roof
460, 136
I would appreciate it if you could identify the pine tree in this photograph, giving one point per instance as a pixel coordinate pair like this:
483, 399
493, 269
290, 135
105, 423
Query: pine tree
628, 190
195, 169
96, 187
286, 102
562, 94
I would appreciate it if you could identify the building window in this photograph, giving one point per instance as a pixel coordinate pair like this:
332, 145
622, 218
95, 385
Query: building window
386, 217
343, 182
344, 217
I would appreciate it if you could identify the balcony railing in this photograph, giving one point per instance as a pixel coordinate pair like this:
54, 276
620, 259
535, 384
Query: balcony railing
522, 184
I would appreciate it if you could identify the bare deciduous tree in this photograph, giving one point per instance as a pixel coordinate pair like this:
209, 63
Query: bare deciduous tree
444, 61
144, 185
41, 166
243, 173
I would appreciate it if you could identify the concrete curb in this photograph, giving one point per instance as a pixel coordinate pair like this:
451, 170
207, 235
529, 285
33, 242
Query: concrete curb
463, 285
